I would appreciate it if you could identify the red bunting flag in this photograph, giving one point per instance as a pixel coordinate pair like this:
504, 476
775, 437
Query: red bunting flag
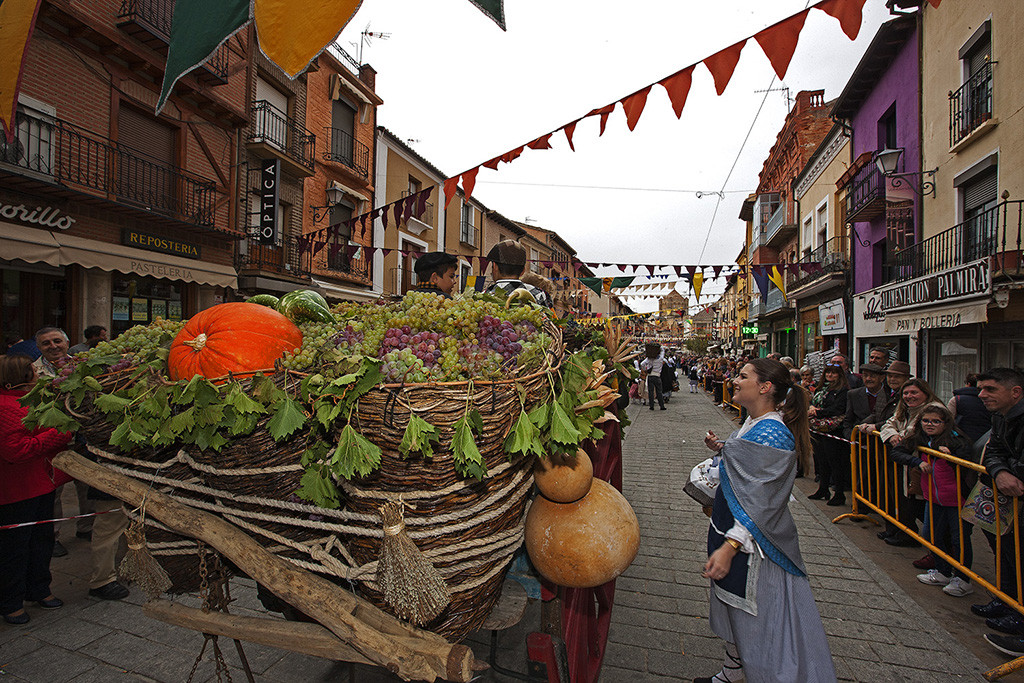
450, 186
678, 88
723, 63
541, 143
469, 181
848, 12
492, 164
779, 42
603, 112
634, 106
569, 129
679, 271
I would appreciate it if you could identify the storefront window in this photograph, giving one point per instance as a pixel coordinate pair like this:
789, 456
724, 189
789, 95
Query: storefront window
138, 300
810, 337
31, 301
1004, 354
956, 359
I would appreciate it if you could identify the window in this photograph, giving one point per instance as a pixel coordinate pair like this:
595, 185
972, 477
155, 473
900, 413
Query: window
414, 186
467, 228
337, 258
971, 104
979, 197
270, 115
887, 129
465, 272
147, 147
821, 219
343, 130
807, 236
33, 145
534, 260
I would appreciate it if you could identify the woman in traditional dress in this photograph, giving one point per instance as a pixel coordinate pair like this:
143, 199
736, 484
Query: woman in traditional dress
761, 602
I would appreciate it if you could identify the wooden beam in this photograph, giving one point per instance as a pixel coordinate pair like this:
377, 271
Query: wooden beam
294, 636
409, 652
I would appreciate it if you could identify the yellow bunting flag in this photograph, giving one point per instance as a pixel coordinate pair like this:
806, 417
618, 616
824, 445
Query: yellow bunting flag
292, 36
698, 283
776, 278
16, 20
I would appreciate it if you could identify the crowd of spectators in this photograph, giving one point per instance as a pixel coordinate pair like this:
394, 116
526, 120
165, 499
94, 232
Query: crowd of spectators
934, 497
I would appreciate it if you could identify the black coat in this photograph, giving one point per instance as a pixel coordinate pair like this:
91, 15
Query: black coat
972, 418
1005, 450
858, 409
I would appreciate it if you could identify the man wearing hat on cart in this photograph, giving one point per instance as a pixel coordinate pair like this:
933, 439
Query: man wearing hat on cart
435, 273
508, 261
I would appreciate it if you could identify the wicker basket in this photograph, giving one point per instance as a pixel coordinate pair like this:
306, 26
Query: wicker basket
252, 481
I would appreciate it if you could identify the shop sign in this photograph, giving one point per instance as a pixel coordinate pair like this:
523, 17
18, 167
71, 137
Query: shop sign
161, 270
962, 282
134, 238
43, 216
937, 318
270, 176
832, 317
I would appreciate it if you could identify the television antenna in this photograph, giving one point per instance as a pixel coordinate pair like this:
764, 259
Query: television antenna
366, 38
785, 93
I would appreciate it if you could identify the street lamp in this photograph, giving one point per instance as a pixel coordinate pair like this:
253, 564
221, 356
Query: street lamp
335, 195
888, 161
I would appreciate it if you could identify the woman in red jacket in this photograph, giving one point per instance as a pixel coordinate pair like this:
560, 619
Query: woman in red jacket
28, 481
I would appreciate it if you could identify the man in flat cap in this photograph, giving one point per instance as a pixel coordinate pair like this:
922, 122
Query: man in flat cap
508, 261
435, 272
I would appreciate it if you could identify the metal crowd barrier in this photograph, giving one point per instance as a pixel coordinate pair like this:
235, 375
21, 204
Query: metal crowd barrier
877, 486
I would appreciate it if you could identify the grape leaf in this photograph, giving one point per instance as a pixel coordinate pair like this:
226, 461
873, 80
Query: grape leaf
468, 461
563, 430
418, 435
111, 403
244, 424
205, 393
524, 437
354, 454
184, 421
120, 435
210, 415
242, 404
92, 383
540, 416
208, 437
326, 412
316, 487
57, 419
476, 421
287, 419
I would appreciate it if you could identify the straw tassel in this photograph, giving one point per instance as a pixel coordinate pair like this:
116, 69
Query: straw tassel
411, 585
139, 566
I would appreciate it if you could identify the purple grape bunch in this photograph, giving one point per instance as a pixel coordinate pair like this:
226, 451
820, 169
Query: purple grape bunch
499, 336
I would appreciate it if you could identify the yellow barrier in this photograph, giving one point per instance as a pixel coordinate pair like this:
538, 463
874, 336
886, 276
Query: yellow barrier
727, 396
876, 484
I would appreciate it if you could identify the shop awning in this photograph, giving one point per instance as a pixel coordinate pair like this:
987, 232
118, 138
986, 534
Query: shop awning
106, 256
936, 317
28, 244
331, 290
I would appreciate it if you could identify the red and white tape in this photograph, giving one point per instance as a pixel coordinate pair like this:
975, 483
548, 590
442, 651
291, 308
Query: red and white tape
51, 521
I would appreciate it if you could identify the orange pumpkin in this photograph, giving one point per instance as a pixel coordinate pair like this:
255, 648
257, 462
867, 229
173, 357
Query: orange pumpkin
235, 337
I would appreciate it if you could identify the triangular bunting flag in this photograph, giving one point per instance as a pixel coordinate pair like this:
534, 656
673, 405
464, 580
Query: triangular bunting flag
492, 164
650, 269
760, 279
484, 262
603, 112
679, 270
698, 284
450, 187
717, 270
17, 19
469, 181
779, 42
634, 106
848, 12
494, 9
569, 129
678, 87
543, 142
778, 281
723, 63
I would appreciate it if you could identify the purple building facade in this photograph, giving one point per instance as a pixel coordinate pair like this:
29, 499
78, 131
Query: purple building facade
881, 105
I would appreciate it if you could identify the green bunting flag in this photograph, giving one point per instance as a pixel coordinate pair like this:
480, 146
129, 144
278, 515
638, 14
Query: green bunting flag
495, 9
198, 27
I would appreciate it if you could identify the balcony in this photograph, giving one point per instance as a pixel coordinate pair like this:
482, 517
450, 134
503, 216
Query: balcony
285, 259
344, 149
757, 240
149, 22
834, 258
356, 266
995, 234
865, 200
755, 310
59, 153
274, 134
971, 105
469, 234
777, 304
781, 225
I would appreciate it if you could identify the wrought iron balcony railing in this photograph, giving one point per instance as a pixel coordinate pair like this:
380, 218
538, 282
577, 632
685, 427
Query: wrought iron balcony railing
777, 302
833, 256
995, 233
65, 154
970, 105
274, 127
357, 266
344, 149
755, 309
154, 18
286, 258
866, 197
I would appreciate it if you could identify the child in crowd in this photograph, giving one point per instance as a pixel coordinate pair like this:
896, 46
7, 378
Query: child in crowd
935, 430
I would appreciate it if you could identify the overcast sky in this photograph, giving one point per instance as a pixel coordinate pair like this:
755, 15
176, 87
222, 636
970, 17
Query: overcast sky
462, 91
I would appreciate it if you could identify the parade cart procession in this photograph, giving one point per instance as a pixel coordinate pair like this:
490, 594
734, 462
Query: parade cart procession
388, 447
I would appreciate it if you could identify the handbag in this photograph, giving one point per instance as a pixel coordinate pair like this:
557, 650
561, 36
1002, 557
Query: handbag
980, 510
703, 482
826, 424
